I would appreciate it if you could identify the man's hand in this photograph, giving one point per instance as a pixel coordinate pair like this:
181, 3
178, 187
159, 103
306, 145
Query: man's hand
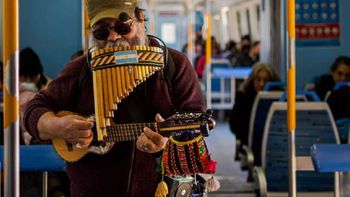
74, 129
150, 141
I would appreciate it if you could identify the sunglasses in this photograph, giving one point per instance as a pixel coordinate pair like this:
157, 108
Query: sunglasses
119, 27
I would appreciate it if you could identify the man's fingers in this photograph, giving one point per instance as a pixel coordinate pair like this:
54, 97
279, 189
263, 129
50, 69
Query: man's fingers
84, 142
85, 134
83, 124
159, 118
156, 138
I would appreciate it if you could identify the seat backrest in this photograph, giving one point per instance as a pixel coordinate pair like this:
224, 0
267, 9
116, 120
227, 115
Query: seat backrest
303, 95
38, 158
215, 82
261, 106
338, 85
314, 124
275, 85
343, 126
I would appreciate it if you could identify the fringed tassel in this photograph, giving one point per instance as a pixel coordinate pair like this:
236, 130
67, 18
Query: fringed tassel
212, 184
162, 189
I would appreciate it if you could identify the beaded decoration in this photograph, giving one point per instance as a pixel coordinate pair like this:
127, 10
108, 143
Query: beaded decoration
186, 158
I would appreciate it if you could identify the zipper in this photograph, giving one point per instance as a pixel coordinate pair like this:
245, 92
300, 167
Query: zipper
131, 167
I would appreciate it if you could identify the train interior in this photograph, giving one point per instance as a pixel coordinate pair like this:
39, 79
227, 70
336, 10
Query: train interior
240, 34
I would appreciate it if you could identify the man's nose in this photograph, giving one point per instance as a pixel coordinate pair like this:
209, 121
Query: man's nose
113, 36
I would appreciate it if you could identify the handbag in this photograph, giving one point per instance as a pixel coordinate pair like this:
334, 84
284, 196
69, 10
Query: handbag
183, 159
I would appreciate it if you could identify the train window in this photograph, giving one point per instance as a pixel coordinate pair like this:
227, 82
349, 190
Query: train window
168, 33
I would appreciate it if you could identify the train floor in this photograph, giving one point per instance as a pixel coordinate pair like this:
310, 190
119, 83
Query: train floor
221, 145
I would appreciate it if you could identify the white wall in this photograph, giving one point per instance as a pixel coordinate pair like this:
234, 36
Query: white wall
241, 7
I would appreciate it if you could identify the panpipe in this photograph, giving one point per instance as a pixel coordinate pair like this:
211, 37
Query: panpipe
116, 72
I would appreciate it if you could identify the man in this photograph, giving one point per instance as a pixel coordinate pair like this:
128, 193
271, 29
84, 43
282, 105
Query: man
129, 168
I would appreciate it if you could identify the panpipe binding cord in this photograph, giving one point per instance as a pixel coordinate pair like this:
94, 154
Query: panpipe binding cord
116, 72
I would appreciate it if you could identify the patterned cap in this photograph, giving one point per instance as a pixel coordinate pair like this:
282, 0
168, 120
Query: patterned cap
118, 9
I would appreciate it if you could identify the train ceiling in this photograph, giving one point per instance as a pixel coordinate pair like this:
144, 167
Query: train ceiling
215, 4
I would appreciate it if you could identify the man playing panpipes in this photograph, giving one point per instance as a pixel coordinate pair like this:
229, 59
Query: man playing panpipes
129, 168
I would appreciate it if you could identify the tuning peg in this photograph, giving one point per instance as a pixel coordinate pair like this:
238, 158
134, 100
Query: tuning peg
205, 129
210, 112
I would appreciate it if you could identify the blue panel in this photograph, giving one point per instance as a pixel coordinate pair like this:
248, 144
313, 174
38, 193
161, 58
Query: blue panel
52, 29
38, 158
321, 154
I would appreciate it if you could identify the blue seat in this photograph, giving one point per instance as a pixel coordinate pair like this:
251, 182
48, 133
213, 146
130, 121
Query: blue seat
339, 154
314, 124
341, 84
343, 126
261, 106
38, 158
275, 85
223, 84
215, 81
303, 95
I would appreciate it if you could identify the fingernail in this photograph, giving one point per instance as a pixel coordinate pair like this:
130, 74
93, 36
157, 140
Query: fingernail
145, 129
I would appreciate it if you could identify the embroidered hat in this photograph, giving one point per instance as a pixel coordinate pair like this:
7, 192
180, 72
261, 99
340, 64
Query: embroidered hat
118, 9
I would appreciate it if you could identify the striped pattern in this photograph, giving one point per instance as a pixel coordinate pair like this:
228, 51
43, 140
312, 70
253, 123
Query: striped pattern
146, 58
186, 158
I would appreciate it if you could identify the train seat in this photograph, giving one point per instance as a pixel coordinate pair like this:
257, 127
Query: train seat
303, 95
251, 154
339, 154
314, 124
343, 126
38, 158
221, 89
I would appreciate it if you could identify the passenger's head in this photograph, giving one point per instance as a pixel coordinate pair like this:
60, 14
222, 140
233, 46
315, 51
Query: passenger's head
340, 69
30, 68
245, 40
116, 23
255, 50
260, 75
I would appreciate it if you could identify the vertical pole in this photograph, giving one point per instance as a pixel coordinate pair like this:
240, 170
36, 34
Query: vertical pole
291, 95
10, 91
208, 55
85, 27
191, 33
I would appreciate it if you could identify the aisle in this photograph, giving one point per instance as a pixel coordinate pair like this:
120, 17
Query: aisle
221, 144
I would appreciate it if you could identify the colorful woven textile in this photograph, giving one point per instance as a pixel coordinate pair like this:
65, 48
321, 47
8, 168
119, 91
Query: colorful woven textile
187, 158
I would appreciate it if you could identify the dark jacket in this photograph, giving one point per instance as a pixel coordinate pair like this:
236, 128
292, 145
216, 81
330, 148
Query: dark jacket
109, 174
240, 114
339, 103
324, 84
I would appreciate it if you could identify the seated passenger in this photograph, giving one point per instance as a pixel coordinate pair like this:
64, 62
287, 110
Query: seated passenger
340, 71
339, 103
32, 79
215, 53
240, 115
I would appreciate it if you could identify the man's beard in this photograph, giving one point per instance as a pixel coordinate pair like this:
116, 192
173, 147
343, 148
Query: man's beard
139, 39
